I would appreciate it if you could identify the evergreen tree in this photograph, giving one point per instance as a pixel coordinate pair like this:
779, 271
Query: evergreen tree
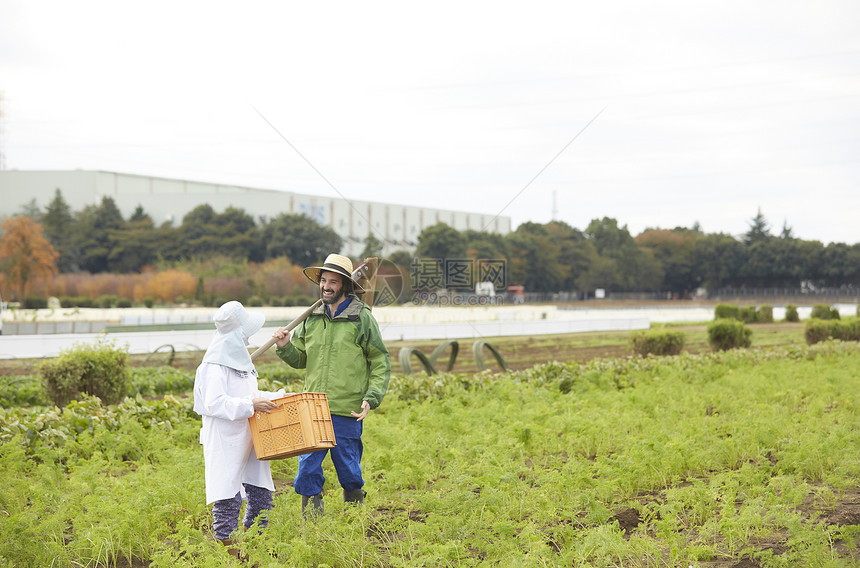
759, 229
372, 247
95, 234
58, 222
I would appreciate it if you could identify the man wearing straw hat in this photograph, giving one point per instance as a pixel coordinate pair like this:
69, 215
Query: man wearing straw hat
340, 346
226, 395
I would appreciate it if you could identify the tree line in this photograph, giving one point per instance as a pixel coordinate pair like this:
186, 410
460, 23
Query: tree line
553, 257
542, 257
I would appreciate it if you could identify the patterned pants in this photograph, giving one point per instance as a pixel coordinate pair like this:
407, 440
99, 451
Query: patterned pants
225, 513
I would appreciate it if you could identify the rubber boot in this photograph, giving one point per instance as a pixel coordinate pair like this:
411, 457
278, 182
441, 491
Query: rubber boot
316, 502
228, 544
356, 496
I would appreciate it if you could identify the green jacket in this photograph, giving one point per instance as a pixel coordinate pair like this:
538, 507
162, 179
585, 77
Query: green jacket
344, 357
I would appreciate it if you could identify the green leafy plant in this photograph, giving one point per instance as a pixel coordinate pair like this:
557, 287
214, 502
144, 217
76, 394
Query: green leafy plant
99, 369
106, 301
748, 314
726, 334
35, 303
791, 314
742, 457
658, 342
824, 312
818, 330
726, 311
764, 314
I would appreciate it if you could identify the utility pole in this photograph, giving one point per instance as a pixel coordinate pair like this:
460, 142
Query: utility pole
554, 206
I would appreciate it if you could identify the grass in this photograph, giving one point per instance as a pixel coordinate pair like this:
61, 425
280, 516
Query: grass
744, 458
697, 460
523, 352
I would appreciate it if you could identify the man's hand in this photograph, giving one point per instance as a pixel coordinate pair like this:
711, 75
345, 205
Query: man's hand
365, 408
282, 336
263, 405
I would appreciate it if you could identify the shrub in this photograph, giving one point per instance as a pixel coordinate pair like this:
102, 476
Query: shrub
791, 313
845, 330
98, 369
726, 311
148, 302
105, 301
123, 303
21, 391
76, 302
816, 330
765, 314
255, 301
35, 303
747, 314
724, 334
658, 342
824, 311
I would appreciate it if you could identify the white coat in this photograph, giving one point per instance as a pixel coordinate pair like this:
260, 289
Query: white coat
223, 397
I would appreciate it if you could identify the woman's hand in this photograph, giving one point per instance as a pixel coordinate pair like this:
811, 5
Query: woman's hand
263, 405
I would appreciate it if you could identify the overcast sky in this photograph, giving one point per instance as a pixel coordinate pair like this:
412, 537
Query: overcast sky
658, 114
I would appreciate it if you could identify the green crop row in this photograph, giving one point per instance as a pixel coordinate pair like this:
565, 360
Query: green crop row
744, 457
27, 390
816, 330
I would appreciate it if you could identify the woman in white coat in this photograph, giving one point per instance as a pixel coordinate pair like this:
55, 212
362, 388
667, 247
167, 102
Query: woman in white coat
226, 395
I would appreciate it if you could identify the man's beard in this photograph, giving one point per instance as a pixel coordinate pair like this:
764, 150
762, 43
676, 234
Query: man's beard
333, 299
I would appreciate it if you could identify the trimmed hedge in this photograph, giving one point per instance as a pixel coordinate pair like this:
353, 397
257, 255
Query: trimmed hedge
824, 312
726, 311
34, 303
746, 314
817, 330
724, 334
791, 314
98, 369
658, 342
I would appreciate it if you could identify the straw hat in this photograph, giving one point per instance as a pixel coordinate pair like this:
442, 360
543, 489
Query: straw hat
333, 263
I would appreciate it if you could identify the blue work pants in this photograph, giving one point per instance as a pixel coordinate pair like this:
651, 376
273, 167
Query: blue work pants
346, 457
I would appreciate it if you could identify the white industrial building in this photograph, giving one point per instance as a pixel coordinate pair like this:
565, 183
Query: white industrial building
168, 200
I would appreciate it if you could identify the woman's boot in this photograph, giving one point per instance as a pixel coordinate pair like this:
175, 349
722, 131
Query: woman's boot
228, 543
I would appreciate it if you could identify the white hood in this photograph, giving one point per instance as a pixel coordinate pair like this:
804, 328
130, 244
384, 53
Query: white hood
233, 326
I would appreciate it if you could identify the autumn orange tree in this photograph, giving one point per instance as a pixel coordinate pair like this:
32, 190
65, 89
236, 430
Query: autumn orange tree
25, 254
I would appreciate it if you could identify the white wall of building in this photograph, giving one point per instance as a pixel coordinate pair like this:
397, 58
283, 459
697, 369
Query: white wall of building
168, 200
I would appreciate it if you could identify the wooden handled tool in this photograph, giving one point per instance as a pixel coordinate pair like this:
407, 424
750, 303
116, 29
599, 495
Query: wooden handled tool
365, 275
289, 327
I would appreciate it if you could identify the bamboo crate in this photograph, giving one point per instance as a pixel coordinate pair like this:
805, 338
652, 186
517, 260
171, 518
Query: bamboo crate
300, 425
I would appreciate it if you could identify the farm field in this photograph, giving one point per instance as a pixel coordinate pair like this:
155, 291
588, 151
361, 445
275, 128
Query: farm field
739, 459
518, 352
